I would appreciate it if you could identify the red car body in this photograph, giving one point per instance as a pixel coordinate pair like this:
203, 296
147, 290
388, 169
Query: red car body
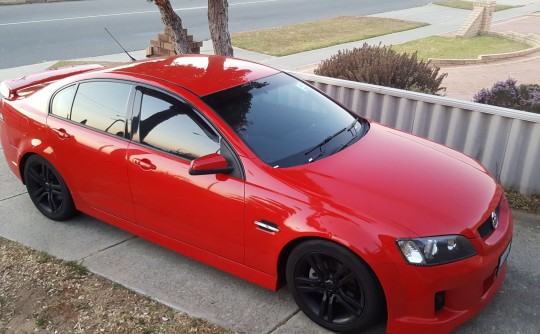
386, 186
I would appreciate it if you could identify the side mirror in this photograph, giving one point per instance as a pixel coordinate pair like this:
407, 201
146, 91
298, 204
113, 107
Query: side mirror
210, 164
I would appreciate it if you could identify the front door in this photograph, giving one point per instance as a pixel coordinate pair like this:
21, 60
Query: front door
205, 211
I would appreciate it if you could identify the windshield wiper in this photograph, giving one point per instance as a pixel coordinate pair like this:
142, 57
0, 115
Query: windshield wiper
326, 140
355, 134
329, 138
353, 124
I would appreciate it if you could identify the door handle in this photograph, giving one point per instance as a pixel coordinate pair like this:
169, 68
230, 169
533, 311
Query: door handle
144, 164
61, 133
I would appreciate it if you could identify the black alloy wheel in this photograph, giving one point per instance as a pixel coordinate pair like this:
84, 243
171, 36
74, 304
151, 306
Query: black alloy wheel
333, 287
47, 189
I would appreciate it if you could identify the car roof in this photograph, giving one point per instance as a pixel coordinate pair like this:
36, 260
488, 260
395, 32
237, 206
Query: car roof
201, 74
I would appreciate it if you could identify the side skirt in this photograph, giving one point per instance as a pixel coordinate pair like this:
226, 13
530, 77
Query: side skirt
221, 263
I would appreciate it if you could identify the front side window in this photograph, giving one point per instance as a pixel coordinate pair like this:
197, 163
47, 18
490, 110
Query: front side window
102, 105
173, 126
286, 122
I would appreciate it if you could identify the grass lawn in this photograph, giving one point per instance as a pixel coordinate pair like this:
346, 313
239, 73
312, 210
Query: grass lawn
460, 48
297, 38
460, 4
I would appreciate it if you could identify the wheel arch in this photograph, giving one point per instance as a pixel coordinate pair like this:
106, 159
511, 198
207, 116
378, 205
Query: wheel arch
379, 317
287, 249
284, 255
48, 190
27, 155
22, 164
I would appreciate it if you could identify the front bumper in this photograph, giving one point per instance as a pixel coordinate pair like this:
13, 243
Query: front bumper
438, 299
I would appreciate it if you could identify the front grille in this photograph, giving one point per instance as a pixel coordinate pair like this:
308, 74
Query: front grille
487, 228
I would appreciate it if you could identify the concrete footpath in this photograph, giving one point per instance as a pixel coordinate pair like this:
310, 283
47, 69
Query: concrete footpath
204, 292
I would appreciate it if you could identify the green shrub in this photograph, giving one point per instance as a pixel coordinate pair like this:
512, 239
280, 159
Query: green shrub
508, 94
384, 67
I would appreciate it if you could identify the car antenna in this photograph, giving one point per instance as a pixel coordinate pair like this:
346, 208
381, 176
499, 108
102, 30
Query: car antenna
120, 45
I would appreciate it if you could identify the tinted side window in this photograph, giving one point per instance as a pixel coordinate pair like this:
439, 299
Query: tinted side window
171, 125
102, 105
62, 102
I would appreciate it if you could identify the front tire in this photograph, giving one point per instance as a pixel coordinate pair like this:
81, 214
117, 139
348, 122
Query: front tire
334, 287
47, 189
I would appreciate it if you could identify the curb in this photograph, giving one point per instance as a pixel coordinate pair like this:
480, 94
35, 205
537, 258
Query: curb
24, 2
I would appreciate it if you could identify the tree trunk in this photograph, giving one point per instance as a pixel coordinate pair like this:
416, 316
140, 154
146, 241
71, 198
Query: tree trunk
218, 22
173, 22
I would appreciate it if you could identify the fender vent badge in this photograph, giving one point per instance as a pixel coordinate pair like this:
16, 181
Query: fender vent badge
267, 226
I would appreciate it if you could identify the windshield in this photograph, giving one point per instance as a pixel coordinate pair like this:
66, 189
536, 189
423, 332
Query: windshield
286, 122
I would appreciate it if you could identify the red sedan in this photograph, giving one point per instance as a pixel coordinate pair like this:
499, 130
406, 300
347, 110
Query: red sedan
253, 171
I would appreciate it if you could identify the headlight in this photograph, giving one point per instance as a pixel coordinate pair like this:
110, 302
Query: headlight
432, 251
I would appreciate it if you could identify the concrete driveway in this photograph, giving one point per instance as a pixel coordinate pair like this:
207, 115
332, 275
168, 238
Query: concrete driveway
204, 292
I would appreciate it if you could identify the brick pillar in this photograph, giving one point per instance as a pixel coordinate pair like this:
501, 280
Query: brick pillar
163, 46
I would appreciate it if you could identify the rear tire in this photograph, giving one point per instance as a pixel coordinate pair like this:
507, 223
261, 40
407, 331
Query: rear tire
334, 287
47, 189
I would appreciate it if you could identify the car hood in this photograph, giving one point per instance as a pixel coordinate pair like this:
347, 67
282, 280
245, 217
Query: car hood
393, 177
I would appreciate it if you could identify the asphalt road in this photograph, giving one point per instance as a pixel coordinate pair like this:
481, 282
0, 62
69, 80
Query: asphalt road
39, 32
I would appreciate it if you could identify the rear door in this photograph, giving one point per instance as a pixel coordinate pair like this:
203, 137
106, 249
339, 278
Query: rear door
205, 211
87, 125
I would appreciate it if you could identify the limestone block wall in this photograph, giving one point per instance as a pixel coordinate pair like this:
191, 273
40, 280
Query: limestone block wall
479, 21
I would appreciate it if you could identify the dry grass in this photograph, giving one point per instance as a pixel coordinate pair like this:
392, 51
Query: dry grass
41, 294
66, 63
297, 38
460, 48
524, 203
468, 5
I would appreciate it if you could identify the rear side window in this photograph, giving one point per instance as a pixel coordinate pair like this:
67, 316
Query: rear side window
62, 102
173, 126
102, 105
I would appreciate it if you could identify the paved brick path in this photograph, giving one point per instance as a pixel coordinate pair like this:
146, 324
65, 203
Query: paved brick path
466, 80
